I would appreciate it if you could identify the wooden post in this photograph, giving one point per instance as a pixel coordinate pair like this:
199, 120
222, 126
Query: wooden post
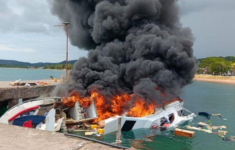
118, 135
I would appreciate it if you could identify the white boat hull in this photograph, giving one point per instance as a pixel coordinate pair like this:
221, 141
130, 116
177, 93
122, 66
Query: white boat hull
131, 123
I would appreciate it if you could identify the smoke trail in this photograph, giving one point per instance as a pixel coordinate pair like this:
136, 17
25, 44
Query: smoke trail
136, 46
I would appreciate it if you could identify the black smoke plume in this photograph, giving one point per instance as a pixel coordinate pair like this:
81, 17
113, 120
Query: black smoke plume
135, 46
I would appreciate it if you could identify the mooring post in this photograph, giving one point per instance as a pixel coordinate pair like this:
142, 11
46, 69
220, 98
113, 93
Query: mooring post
118, 136
12, 103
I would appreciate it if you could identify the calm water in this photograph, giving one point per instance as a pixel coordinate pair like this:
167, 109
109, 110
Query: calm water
198, 96
11, 74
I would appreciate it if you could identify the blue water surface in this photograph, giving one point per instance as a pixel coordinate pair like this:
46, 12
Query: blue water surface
12, 74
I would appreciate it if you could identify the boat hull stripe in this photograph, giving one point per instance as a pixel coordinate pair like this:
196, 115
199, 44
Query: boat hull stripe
22, 112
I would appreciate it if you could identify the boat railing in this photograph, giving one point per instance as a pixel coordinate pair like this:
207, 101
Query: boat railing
187, 110
31, 100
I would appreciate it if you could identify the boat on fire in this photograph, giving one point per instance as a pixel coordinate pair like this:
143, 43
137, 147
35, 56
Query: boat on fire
42, 112
169, 117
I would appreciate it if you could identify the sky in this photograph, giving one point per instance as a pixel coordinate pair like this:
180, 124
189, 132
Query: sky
28, 32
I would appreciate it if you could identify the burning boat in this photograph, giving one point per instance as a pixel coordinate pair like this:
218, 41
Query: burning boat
168, 117
140, 57
135, 116
162, 118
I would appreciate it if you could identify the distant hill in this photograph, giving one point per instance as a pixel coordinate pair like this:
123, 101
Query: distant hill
14, 63
70, 61
227, 58
27, 64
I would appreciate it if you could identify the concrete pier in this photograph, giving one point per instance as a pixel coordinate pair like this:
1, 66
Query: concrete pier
19, 138
13, 93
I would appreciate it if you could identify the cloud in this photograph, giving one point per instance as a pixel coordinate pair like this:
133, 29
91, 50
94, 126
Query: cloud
192, 6
10, 49
26, 16
212, 22
27, 33
27, 30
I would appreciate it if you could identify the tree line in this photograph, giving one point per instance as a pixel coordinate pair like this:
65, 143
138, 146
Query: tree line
55, 66
17, 64
217, 65
209, 65
58, 66
12, 66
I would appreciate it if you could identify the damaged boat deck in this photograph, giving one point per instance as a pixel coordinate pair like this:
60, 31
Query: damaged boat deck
15, 137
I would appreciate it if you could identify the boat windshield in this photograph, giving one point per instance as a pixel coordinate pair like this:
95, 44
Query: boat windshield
183, 112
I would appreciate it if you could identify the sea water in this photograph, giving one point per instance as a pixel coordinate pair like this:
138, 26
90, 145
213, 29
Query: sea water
213, 98
12, 74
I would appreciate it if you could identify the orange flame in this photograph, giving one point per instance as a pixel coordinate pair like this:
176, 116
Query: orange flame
116, 105
141, 109
70, 101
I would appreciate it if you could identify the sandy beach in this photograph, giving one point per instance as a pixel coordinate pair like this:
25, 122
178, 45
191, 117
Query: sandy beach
217, 79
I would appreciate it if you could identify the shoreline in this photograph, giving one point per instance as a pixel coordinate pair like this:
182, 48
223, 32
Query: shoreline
215, 79
34, 68
197, 77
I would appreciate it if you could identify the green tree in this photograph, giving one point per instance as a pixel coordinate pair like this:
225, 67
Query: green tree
70, 66
219, 67
210, 60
